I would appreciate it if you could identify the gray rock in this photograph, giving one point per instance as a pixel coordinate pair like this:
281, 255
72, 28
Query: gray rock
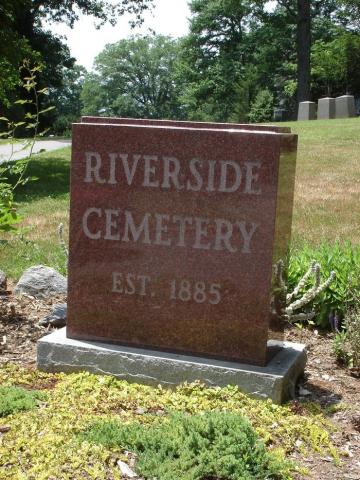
57, 318
41, 282
3, 281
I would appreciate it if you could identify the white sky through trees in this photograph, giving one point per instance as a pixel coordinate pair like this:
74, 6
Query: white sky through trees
168, 17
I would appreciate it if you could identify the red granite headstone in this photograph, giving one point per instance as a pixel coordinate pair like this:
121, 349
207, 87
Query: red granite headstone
173, 234
184, 124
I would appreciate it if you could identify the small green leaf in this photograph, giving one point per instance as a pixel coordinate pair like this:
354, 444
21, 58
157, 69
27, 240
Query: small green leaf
46, 110
41, 134
22, 102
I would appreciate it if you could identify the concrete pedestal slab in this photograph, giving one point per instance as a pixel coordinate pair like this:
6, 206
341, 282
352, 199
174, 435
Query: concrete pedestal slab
277, 380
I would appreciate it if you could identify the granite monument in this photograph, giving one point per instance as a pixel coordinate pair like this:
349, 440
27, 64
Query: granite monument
174, 231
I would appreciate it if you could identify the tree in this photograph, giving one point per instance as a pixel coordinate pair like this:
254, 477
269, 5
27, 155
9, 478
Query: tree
67, 101
345, 13
135, 78
335, 65
215, 56
13, 49
23, 20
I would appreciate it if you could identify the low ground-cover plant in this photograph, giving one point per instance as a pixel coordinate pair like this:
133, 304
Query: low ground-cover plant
344, 260
212, 445
75, 401
16, 399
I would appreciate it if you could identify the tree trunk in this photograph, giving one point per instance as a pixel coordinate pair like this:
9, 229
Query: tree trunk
303, 49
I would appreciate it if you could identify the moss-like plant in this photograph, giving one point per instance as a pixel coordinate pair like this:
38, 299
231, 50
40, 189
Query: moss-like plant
75, 401
16, 399
213, 445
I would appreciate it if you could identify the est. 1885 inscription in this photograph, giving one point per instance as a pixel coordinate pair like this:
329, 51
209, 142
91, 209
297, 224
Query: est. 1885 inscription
173, 233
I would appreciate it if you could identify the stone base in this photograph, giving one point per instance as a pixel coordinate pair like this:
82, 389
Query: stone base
277, 381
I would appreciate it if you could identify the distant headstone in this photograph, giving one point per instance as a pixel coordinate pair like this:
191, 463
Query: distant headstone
326, 108
307, 111
279, 114
173, 235
345, 106
357, 106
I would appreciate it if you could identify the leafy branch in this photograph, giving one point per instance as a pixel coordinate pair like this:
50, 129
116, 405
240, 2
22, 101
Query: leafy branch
9, 217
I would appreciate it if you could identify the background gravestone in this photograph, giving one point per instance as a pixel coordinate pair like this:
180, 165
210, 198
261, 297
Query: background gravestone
345, 106
326, 108
182, 261
307, 111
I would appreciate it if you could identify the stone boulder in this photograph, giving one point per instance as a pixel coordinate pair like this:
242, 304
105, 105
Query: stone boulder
41, 282
3, 281
57, 318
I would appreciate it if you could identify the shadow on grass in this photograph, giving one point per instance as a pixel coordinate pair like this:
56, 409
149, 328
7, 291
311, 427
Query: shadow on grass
53, 177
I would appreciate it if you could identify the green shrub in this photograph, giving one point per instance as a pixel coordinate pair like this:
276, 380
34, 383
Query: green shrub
344, 259
214, 445
16, 399
262, 107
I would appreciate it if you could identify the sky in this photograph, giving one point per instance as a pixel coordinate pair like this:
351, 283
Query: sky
169, 17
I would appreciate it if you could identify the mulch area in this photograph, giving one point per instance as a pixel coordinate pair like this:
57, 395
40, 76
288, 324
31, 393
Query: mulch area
325, 382
330, 385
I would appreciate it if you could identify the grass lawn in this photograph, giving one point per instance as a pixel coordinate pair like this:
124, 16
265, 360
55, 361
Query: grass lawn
327, 188
327, 193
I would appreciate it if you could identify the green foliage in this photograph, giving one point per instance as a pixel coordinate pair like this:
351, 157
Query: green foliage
135, 78
13, 173
344, 260
334, 64
24, 34
215, 64
262, 108
16, 399
67, 100
213, 445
